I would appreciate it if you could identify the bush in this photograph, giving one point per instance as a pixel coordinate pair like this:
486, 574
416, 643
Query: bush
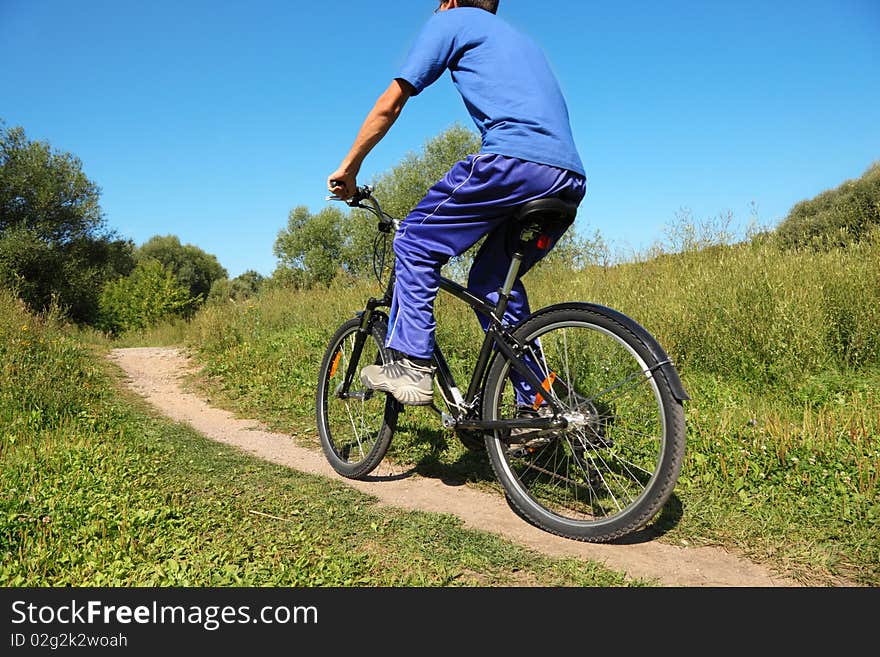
240, 288
835, 218
150, 294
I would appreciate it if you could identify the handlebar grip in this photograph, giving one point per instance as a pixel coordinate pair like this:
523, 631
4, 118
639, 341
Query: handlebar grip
334, 184
360, 193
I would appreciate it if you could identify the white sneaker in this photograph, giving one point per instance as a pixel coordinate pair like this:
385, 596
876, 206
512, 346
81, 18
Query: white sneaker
409, 383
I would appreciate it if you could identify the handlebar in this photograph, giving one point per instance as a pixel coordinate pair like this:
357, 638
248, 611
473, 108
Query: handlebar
365, 193
387, 224
361, 193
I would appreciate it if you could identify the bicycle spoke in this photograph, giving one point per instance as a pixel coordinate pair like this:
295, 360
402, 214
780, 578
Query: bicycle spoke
565, 354
633, 377
355, 430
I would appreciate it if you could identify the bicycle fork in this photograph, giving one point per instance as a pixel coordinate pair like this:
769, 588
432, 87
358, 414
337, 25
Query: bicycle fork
366, 316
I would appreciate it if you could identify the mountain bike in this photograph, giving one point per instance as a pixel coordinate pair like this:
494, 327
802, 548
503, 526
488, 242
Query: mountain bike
578, 407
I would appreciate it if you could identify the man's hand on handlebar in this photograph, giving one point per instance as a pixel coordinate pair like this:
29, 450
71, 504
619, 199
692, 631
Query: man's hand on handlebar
342, 185
352, 198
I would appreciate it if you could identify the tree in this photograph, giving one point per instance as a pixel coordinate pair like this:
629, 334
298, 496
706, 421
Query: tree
150, 294
312, 243
45, 191
247, 284
243, 286
54, 244
194, 268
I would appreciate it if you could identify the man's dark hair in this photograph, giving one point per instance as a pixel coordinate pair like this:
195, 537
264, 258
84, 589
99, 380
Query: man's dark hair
489, 5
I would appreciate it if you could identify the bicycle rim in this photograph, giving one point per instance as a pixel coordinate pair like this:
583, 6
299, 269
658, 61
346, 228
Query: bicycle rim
616, 463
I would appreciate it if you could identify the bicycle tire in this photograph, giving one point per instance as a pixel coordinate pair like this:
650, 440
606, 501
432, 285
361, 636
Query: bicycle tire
355, 433
615, 466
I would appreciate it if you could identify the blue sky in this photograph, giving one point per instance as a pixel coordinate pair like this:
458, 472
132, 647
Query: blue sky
212, 120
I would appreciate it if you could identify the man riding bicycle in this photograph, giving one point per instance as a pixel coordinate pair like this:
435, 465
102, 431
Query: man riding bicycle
527, 153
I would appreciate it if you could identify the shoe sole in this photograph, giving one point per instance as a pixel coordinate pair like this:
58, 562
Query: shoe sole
409, 396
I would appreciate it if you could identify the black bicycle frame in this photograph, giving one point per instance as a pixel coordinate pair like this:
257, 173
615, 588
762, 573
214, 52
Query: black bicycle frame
498, 336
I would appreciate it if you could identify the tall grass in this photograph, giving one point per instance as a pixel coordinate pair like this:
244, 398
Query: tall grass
748, 311
780, 351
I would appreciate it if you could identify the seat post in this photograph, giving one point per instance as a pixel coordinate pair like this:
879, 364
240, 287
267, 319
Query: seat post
515, 264
509, 281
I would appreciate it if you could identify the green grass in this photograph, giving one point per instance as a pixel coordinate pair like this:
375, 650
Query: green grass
99, 491
779, 350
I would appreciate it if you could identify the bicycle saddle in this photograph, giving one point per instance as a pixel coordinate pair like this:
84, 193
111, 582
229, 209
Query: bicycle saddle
548, 213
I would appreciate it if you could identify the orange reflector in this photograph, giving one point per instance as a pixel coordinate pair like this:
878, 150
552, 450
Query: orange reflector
546, 386
335, 364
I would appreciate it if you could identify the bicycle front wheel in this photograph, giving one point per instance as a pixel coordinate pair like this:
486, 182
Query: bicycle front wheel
617, 461
355, 425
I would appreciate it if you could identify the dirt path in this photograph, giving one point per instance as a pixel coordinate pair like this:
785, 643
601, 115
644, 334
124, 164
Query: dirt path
156, 374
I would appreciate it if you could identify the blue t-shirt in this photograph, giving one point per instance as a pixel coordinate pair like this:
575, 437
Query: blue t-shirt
505, 81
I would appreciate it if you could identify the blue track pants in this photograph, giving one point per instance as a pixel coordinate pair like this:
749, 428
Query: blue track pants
476, 198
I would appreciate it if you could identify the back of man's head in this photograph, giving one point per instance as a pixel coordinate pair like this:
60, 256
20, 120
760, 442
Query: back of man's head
489, 5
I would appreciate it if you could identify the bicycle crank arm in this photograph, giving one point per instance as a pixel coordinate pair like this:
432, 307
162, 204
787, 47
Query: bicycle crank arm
363, 395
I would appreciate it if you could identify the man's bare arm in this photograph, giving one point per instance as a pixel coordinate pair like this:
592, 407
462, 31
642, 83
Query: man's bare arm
374, 128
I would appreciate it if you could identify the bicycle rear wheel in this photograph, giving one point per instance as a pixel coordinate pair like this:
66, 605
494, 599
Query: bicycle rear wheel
615, 465
355, 426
